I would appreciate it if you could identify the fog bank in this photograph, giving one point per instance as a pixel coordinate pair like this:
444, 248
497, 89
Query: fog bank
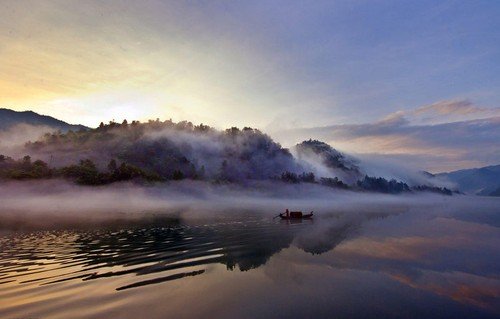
55, 202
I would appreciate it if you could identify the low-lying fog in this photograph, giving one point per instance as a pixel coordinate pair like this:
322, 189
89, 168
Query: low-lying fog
364, 255
56, 203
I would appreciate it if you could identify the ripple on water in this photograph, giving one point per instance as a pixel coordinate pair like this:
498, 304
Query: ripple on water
52, 257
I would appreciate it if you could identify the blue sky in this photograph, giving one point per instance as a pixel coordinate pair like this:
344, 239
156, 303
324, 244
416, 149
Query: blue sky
275, 65
371, 58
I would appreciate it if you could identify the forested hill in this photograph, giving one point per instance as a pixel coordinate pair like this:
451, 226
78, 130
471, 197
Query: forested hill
171, 149
164, 150
9, 118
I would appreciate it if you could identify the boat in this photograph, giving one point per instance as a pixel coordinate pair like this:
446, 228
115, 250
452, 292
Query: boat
296, 215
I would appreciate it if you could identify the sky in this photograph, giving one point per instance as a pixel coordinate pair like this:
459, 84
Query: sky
338, 70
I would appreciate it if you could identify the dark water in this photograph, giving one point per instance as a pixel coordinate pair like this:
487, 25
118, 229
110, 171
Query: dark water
345, 265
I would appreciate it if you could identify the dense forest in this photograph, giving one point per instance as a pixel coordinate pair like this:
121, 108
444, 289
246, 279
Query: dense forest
159, 151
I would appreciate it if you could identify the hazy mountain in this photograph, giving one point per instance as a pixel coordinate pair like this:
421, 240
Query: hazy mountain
323, 155
480, 181
9, 118
495, 192
328, 156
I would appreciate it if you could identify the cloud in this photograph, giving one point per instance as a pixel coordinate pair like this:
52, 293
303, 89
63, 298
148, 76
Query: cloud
425, 138
451, 107
450, 111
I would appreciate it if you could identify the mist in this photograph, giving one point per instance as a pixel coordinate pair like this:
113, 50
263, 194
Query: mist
168, 150
57, 203
13, 139
396, 168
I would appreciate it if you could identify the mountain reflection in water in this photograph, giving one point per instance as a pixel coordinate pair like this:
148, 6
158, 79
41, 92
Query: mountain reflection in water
164, 247
434, 263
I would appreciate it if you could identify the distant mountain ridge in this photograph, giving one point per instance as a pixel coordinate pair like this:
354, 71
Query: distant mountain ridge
479, 181
495, 192
9, 118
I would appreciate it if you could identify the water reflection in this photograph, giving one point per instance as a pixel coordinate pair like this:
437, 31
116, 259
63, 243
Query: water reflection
162, 247
448, 258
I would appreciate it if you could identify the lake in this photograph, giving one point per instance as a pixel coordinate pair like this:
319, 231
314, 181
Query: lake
403, 263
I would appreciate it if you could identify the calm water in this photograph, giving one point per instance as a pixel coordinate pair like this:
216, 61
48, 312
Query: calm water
411, 264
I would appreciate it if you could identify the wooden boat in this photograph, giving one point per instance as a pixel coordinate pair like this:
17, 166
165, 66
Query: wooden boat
296, 215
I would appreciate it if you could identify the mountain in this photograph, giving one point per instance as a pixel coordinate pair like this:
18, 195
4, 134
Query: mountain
157, 151
495, 192
328, 156
480, 181
9, 118
323, 155
171, 150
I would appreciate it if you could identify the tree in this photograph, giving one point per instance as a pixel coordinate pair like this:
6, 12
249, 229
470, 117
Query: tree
224, 171
177, 175
307, 177
382, 185
85, 173
112, 166
333, 182
290, 177
40, 169
233, 131
201, 173
26, 164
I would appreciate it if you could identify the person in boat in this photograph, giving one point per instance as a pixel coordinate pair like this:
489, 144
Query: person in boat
287, 213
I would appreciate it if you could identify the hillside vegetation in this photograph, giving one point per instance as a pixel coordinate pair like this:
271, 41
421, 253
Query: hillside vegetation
159, 151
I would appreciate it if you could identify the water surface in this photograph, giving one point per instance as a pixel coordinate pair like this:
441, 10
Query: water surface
372, 264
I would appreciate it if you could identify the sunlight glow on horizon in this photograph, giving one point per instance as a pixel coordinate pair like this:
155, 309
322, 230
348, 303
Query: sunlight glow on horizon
274, 66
